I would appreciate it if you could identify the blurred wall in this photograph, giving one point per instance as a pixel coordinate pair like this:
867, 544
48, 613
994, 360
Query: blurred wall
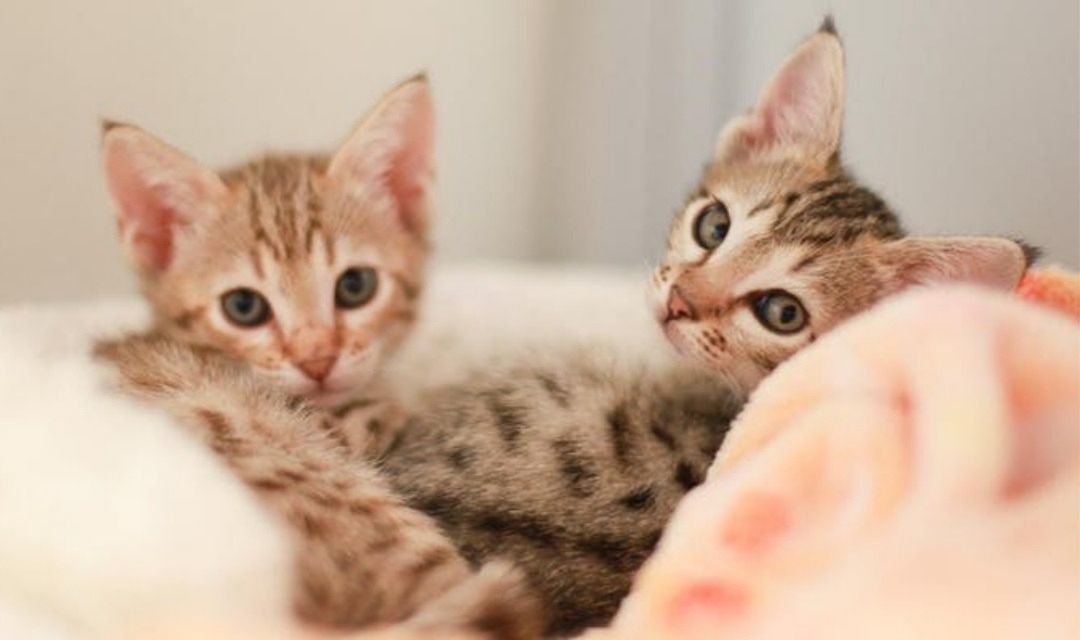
222, 80
568, 130
962, 113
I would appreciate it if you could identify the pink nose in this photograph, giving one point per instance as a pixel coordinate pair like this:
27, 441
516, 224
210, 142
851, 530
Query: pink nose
678, 307
317, 368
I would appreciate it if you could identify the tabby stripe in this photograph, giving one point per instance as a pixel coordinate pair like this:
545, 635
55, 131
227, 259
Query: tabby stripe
461, 458
314, 226
217, 422
621, 437
557, 392
822, 185
762, 359
510, 419
333, 430
430, 560
760, 207
686, 476
782, 215
804, 263
267, 484
313, 526
411, 290
575, 468
349, 407
617, 553
386, 538
663, 436
185, 319
639, 499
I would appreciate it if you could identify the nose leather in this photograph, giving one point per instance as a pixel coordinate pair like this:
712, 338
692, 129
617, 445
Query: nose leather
678, 307
317, 368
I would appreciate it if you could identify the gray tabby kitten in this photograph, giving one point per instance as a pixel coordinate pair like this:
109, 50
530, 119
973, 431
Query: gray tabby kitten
572, 471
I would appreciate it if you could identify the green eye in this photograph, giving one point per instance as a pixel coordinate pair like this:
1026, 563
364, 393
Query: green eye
355, 287
712, 225
245, 307
780, 312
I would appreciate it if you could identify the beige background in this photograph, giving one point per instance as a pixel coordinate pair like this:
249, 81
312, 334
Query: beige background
569, 130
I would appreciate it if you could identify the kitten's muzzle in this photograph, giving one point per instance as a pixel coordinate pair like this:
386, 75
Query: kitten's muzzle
317, 368
678, 307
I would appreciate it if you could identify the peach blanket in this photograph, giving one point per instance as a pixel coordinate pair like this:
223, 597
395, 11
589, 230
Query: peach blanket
915, 474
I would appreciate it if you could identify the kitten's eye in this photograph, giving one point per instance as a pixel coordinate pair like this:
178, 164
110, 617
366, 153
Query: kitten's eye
245, 307
355, 287
712, 225
780, 312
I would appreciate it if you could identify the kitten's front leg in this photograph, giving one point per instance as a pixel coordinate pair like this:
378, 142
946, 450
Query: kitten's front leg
370, 420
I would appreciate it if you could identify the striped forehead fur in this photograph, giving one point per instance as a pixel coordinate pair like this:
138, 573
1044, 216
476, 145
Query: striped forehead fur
283, 202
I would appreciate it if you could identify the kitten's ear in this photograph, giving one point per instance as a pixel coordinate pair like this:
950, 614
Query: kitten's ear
994, 262
390, 153
156, 190
800, 112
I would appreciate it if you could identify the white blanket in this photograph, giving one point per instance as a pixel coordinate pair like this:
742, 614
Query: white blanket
112, 521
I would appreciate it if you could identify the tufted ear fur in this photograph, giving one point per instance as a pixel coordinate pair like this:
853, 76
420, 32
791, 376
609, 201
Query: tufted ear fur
800, 112
156, 191
391, 153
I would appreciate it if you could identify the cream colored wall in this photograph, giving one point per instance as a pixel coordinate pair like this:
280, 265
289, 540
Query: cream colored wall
569, 130
964, 114
225, 79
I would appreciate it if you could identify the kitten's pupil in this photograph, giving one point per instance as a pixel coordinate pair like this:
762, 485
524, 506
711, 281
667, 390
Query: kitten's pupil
712, 225
245, 307
355, 287
780, 312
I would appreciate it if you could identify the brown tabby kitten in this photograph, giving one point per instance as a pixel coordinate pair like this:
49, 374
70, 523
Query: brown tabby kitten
572, 471
291, 278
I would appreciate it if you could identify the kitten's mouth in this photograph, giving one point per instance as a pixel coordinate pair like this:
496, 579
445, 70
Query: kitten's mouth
327, 396
335, 390
676, 335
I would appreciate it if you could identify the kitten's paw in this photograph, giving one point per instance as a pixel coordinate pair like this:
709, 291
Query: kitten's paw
370, 424
496, 602
154, 365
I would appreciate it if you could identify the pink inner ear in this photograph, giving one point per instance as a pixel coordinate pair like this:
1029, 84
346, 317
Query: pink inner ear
391, 151
409, 169
800, 105
145, 221
788, 103
155, 190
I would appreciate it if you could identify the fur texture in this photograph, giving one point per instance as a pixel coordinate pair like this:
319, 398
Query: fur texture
285, 228
180, 545
572, 470
287, 281
569, 466
798, 225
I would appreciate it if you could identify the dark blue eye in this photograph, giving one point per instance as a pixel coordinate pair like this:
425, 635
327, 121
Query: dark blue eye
780, 312
712, 225
245, 307
355, 287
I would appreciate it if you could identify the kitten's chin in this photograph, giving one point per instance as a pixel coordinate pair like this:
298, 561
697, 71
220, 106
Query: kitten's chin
739, 373
339, 389
328, 398
679, 338
676, 337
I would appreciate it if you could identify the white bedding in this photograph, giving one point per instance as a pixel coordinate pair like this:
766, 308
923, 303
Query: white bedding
111, 520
